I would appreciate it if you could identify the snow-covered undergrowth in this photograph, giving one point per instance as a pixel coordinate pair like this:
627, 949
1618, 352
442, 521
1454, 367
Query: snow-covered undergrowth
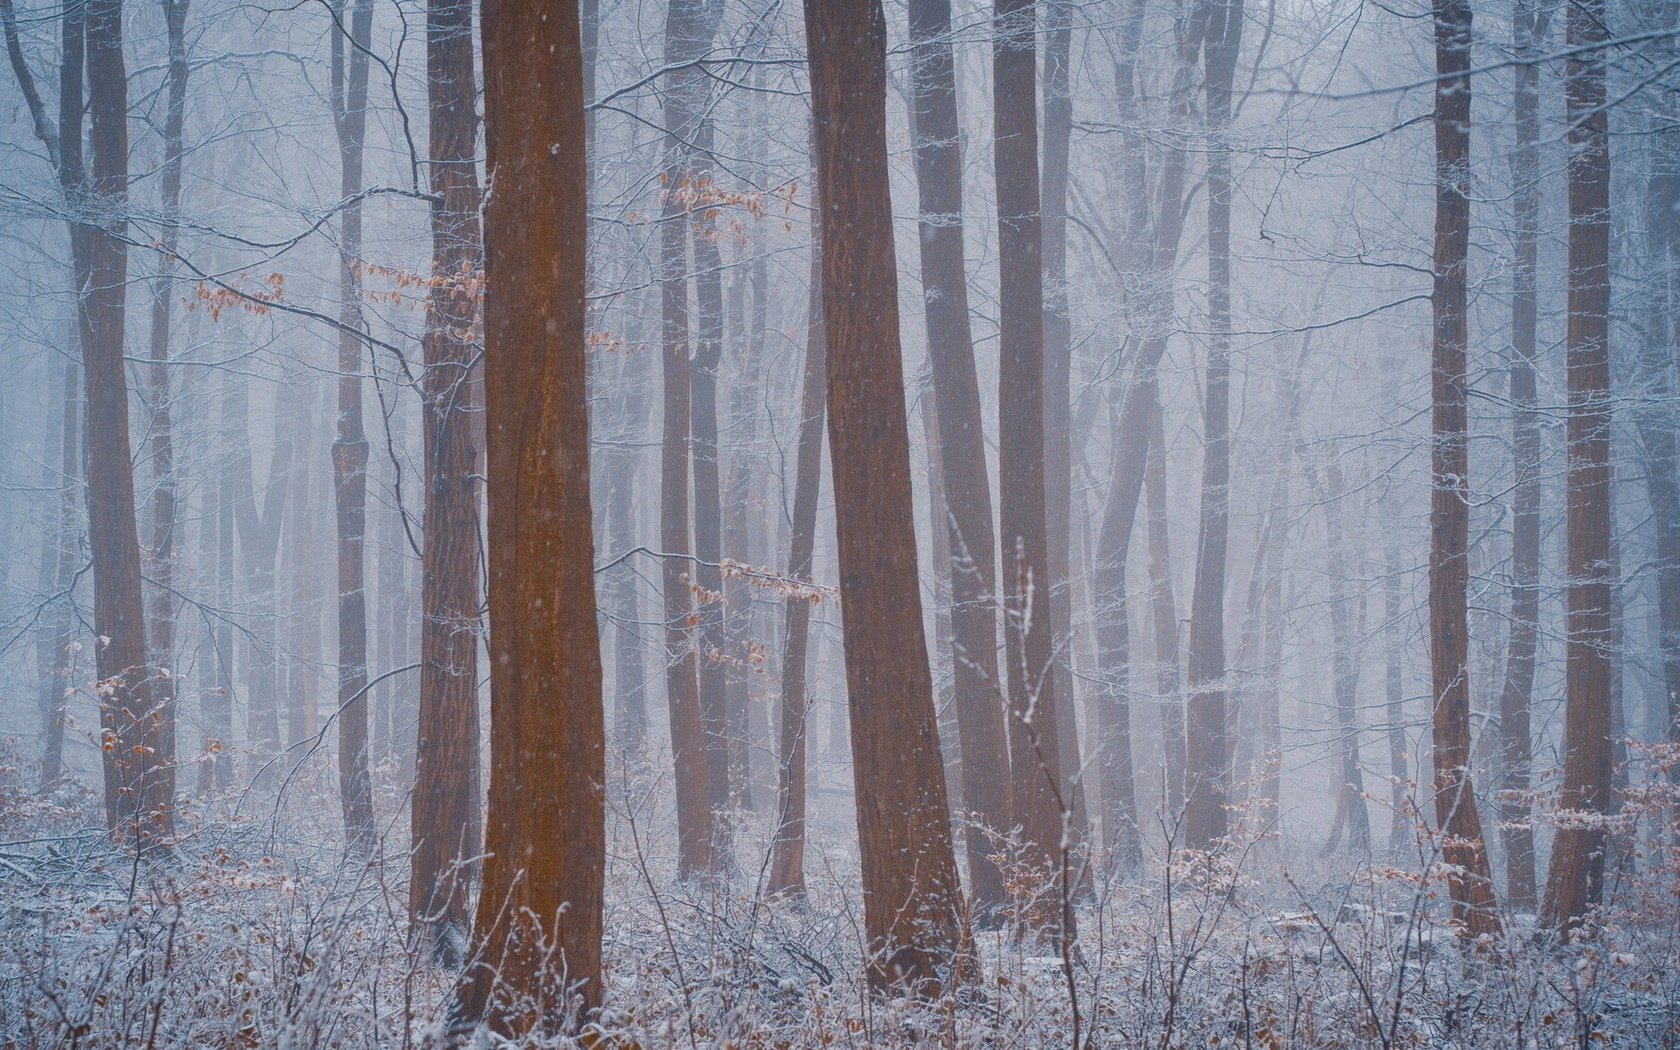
257, 933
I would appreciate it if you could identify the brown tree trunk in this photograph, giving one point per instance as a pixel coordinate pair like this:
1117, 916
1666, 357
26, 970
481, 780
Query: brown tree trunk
1463, 848
540, 912
787, 858
1038, 807
1528, 23
444, 820
1576, 881
688, 31
962, 450
139, 776
1207, 737
912, 899
350, 447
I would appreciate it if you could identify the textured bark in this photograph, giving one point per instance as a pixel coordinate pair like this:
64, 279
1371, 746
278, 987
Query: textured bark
1038, 807
944, 694
139, 778
444, 820
912, 899
688, 31
1576, 881
1516, 744
350, 445
970, 539
1207, 734
161, 548
540, 912
1468, 880
787, 857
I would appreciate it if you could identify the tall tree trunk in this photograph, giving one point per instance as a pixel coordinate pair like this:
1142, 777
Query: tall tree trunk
1058, 409
1121, 831
259, 542
787, 858
944, 695
1165, 606
445, 816
912, 898
139, 770
161, 549
1039, 808
1400, 829
540, 912
1528, 24
350, 447
962, 450
1576, 881
708, 509
219, 730
1463, 849
1345, 663
58, 568
1207, 736
688, 32
300, 568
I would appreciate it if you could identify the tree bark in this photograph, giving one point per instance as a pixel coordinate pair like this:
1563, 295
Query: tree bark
912, 899
787, 858
962, 451
540, 912
350, 446
1463, 849
1528, 24
1207, 736
1039, 809
1165, 606
444, 820
1576, 881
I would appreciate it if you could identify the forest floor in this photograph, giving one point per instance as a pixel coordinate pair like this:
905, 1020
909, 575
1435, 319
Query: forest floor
257, 933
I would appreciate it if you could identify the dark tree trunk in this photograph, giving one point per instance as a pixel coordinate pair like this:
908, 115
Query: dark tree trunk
962, 451
540, 912
912, 898
787, 859
1038, 807
1576, 881
1516, 743
445, 815
1207, 736
139, 770
1463, 848
350, 446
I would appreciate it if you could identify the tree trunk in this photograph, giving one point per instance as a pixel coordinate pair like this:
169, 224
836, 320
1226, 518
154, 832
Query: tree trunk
300, 569
1528, 22
912, 899
57, 574
259, 542
445, 815
1400, 827
1207, 736
1165, 606
1576, 881
787, 858
1038, 807
139, 770
962, 450
540, 912
1121, 833
350, 447
1463, 849
1345, 663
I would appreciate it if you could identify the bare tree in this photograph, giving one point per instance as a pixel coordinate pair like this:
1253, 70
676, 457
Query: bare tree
539, 914
912, 898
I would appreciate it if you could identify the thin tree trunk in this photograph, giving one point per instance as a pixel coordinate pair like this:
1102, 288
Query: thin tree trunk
58, 567
1207, 736
1400, 828
1165, 606
787, 860
962, 452
540, 912
944, 686
1528, 22
300, 567
1468, 879
259, 541
1576, 881
912, 898
1109, 605
1345, 664
444, 820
